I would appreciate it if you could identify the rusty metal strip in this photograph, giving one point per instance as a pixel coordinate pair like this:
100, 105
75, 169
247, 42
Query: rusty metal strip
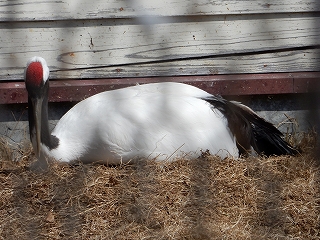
242, 84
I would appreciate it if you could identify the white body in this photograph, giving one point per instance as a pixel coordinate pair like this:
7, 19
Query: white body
160, 120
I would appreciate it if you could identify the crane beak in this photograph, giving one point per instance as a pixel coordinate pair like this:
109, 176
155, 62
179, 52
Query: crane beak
37, 113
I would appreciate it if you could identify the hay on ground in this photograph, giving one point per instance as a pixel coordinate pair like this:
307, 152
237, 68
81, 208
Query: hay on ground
208, 198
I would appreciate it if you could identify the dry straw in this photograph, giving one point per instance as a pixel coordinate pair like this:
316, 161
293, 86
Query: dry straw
208, 198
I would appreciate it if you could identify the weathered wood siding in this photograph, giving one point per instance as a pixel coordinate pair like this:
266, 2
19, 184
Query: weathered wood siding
112, 38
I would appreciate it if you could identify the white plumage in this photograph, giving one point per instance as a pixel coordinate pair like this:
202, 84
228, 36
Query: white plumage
161, 120
158, 120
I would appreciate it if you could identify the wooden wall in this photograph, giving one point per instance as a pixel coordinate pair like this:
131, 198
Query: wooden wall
104, 39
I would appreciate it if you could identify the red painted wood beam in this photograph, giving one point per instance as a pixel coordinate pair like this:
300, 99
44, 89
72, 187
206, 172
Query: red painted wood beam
242, 84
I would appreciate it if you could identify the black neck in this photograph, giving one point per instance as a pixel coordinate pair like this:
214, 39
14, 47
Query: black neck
46, 138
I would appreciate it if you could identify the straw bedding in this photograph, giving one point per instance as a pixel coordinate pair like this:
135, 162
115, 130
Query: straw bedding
208, 198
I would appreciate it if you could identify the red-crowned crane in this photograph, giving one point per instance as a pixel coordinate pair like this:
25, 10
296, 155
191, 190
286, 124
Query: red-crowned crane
159, 121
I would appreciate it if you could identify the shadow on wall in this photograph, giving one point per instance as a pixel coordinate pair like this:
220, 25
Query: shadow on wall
14, 126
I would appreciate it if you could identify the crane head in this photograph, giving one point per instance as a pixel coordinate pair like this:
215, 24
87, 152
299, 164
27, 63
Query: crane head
36, 75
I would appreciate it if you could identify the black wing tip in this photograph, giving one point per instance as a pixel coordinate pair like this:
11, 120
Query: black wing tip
269, 141
252, 130
277, 149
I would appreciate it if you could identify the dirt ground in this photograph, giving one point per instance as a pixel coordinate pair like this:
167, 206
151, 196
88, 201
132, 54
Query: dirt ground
207, 198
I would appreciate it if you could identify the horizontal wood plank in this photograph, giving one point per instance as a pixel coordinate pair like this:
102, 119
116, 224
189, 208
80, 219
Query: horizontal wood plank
306, 60
99, 49
39, 10
243, 84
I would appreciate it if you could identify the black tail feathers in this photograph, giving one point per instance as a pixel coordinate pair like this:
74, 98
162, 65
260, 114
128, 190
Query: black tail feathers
251, 130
